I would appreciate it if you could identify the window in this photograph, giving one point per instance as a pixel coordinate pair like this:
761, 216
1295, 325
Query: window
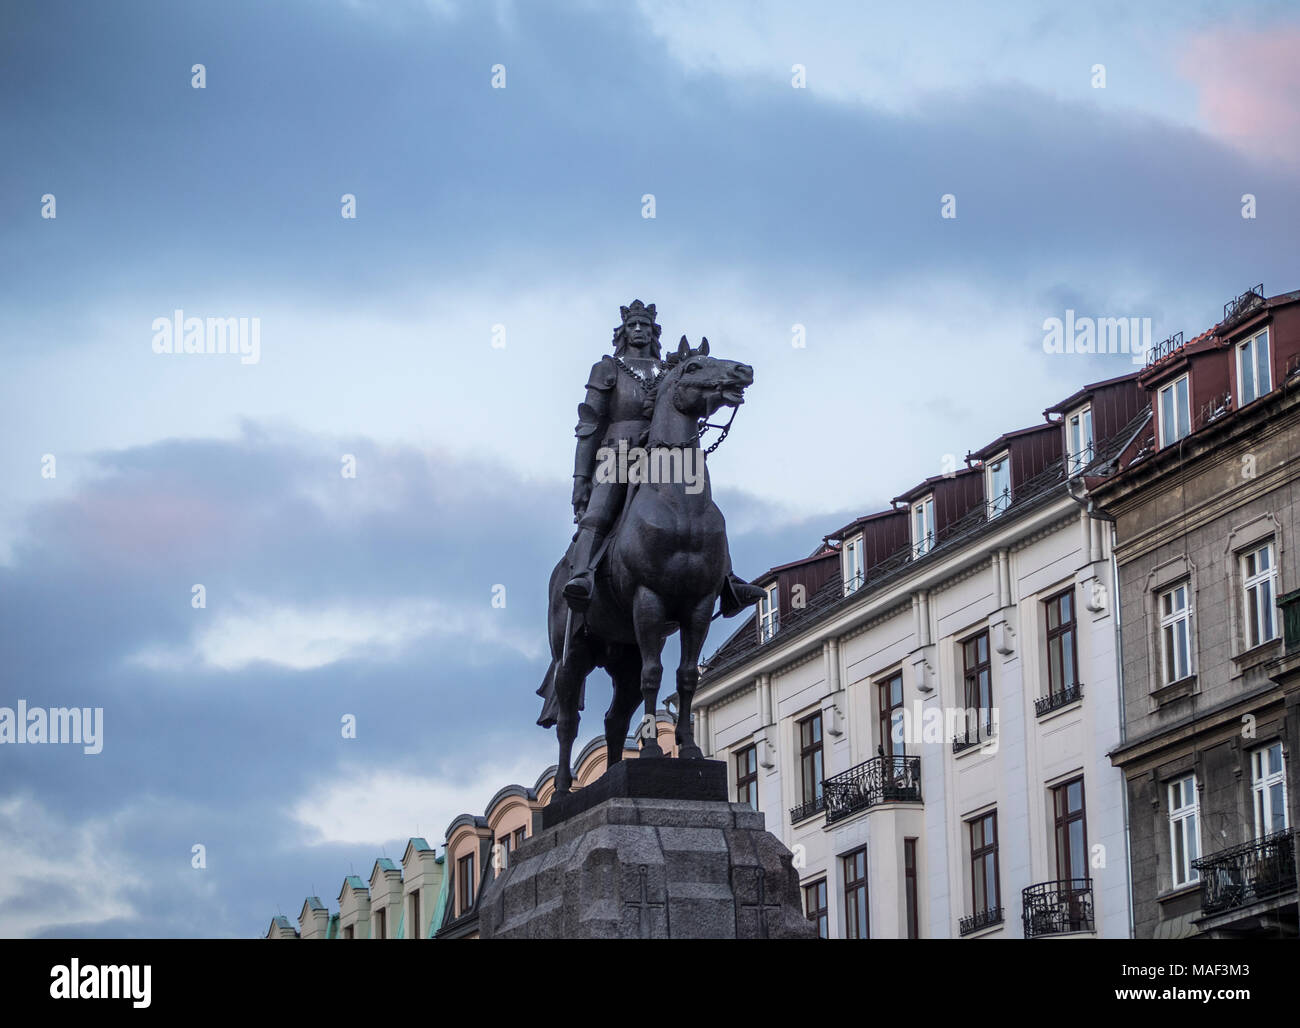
747, 776
381, 923
1254, 375
465, 886
890, 698
1176, 633
985, 894
923, 527
997, 485
1175, 416
1184, 834
977, 691
910, 889
853, 573
1078, 440
1071, 831
1060, 644
1259, 582
503, 854
1268, 785
414, 930
769, 613
810, 758
856, 921
520, 835
814, 906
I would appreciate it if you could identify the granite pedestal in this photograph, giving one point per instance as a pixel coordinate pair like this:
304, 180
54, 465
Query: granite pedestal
681, 863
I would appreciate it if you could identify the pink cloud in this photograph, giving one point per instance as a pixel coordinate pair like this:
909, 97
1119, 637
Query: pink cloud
1249, 86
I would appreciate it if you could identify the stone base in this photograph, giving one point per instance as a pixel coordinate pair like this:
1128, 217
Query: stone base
637, 868
647, 778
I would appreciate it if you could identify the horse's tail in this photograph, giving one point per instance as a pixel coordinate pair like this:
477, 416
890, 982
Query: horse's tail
555, 633
550, 702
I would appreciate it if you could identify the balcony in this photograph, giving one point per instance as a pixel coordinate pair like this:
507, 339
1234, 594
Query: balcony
1058, 908
893, 779
1057, 700
1289, 604
978, 733
1253, 872
807, 809
982, 919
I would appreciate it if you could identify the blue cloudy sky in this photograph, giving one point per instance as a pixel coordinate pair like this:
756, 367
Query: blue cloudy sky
520, 207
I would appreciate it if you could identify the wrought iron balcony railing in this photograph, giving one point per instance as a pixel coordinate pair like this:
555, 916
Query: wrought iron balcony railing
807, 809
981, 919
1058, 908
893, 779
975, 733
1059, 699
1289, 604
1238, 305
1245, 874
1163, 349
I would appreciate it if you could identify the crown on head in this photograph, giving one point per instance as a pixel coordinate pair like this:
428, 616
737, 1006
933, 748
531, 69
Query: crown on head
637, 307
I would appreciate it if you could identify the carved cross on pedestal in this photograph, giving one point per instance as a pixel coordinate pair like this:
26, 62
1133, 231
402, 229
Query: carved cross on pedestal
763, 905
644, 906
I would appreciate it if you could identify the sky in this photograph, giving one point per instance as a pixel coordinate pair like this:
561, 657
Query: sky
800, 159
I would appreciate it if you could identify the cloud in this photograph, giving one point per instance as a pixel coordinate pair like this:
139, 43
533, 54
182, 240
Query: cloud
58, 874
306, 638
1248, 83
374, 805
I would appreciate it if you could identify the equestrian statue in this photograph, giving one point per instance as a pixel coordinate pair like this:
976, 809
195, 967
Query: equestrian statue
650, 556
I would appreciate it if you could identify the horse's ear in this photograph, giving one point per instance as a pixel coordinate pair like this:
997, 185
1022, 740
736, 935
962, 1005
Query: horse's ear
683, 349
703, 351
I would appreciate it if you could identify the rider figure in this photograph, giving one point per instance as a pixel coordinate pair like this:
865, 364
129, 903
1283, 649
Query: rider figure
618, 408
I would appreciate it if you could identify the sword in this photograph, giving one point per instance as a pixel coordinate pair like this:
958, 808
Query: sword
568, 625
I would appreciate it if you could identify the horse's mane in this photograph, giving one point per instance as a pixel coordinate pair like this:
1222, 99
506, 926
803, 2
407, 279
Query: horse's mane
671, 364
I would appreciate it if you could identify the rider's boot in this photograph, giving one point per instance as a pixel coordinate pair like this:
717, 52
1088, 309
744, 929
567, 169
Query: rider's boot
737, 594
577, 591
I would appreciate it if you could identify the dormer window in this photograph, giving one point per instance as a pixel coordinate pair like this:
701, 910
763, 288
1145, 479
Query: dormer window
923, 527
997, 484
769, 613
1175, 412
853, 565
1254, 374
1078, 440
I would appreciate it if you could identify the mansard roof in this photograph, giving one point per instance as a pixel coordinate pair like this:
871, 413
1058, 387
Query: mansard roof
416, 844
1082, 396
850, 529
1040, 478
506, 791
465, 821
928, 485
991, 450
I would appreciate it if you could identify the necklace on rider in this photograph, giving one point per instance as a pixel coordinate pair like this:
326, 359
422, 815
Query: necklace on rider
644, 379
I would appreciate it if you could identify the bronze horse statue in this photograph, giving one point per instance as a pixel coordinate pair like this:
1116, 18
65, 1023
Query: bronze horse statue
663, 567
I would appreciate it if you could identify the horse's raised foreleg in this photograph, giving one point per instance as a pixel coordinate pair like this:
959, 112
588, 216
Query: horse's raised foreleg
649, 618
694, 629
625, 672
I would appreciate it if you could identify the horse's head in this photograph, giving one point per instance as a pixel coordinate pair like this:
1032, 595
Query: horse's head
700, 384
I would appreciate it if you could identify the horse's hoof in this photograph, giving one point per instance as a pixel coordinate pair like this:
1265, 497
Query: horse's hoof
650, 749
691, 753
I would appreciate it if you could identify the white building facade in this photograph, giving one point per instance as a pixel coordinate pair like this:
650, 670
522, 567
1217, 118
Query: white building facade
837, 708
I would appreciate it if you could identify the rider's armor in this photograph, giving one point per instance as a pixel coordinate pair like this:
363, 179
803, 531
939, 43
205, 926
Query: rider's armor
618, 408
